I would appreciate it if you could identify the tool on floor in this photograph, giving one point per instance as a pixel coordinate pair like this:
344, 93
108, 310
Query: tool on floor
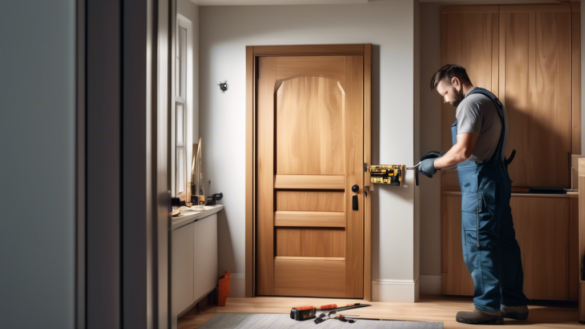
333, 315
300, 313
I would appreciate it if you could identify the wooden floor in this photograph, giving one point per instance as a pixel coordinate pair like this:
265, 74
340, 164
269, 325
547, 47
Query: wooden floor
429, 308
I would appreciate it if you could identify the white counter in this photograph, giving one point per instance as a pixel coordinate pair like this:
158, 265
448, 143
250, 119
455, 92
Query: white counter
189, 216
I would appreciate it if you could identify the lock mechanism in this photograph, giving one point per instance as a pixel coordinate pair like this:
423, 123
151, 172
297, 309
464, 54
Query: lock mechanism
387, 174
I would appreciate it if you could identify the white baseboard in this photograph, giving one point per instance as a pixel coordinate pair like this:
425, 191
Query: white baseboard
237, 285
405, 291
430, 284
382, 290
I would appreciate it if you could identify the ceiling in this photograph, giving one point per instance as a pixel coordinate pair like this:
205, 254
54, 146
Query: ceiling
335, 2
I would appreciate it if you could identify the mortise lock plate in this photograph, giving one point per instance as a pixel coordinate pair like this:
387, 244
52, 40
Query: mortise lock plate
387, 174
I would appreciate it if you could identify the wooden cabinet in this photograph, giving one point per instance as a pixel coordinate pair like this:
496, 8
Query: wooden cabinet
542, 231
535, 87
456, 279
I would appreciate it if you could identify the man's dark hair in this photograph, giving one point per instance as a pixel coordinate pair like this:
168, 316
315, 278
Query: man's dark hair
447, 73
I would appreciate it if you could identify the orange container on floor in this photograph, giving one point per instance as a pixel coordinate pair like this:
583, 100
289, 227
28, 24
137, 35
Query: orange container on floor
224, 287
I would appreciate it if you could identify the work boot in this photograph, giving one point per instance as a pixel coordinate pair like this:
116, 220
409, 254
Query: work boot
514, 312
480, 317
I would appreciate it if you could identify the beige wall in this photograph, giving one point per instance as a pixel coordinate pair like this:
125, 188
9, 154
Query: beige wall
389, 25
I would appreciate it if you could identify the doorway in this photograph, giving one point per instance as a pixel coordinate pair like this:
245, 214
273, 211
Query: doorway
308, 141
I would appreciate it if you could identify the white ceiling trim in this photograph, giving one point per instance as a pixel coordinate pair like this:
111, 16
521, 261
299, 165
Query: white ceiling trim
274, 2
338, 2
493, 2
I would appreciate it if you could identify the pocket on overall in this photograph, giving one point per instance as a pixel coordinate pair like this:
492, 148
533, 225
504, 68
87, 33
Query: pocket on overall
471, 208
470, 202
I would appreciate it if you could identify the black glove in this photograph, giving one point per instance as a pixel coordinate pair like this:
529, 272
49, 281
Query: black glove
433, 155
427, 167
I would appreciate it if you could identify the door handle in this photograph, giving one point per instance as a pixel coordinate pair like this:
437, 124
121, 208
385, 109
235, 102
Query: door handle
354, 199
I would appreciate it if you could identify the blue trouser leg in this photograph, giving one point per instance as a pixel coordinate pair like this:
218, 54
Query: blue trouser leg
511, 274
482, 256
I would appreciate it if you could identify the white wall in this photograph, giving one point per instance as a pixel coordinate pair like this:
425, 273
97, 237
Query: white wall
389, 26
37, 164
191, 12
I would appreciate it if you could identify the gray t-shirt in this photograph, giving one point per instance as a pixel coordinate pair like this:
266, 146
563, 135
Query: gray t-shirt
477, 114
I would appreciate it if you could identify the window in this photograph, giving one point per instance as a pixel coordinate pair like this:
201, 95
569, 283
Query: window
182, 116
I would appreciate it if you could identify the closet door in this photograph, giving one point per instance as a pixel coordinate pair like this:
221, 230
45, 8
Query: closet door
535, 87
469, 37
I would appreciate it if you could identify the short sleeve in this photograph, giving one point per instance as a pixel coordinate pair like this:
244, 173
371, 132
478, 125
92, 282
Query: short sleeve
468, 118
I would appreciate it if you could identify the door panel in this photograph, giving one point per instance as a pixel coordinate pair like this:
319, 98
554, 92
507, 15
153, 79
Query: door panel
310, 201
307, 106
536, 90
309, 155
316, 242
313, 276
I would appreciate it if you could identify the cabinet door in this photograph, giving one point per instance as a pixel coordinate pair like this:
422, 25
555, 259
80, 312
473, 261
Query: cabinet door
469, 37
535, 87
456, 278
205, 248
542, 231
182, 268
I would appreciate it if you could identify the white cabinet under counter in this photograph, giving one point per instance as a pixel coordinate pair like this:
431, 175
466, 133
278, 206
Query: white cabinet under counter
194, 258
182, 268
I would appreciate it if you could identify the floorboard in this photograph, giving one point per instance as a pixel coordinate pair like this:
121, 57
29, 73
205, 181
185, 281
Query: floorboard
429, 308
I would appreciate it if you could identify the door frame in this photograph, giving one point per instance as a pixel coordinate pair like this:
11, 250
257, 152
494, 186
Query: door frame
252, 53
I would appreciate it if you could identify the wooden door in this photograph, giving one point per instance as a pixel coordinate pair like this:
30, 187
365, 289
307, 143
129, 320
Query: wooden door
310, 137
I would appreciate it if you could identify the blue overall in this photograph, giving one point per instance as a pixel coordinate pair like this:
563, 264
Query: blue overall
490, 249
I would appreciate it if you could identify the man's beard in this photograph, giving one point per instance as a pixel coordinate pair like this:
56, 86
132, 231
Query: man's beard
460, 96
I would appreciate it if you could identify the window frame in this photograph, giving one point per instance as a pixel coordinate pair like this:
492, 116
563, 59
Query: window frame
183, 94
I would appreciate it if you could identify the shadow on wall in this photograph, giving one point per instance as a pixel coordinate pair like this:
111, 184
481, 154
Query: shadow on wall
225, 247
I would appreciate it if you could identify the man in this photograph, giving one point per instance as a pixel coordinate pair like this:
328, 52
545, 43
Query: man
490, 249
